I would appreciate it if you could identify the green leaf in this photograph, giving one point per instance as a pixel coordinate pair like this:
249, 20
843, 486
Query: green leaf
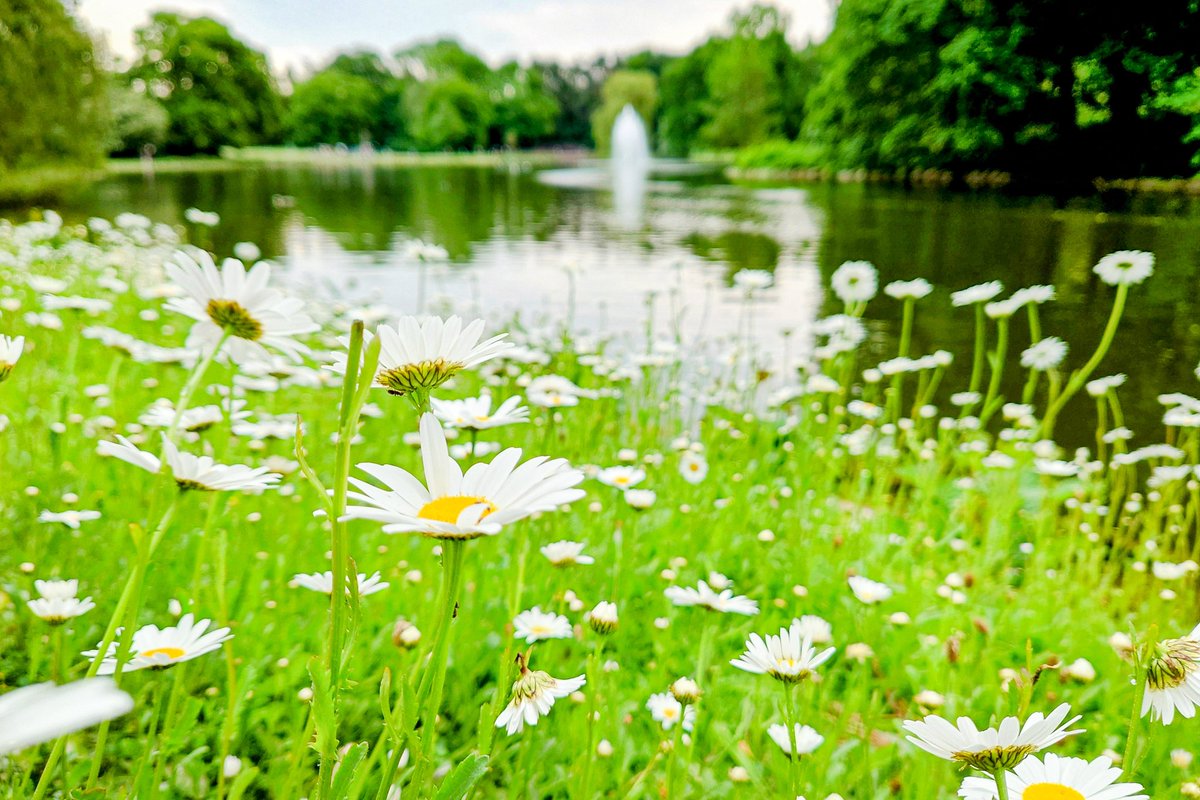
463, 778
322, 704
242, 782
345, 771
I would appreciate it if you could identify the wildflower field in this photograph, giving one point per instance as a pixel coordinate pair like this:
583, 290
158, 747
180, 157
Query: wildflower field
581, 571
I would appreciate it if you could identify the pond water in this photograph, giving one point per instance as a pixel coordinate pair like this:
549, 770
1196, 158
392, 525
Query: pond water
519, 242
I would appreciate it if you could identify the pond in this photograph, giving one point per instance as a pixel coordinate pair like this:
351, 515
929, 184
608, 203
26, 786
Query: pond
548, 248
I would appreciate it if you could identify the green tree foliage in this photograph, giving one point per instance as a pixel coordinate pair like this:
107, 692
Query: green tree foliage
137, 122
624, 87
216, 89
737, 89
1038, 87
448, 114
576, 92
525, 112
332, 107
52, 96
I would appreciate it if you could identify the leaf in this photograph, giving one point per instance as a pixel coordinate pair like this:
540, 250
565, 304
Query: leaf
322, 709
346, 769
463, 778
242, 782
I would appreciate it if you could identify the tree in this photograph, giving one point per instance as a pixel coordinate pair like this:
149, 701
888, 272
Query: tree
216, 89
743, 92
624, 87
332, 107
52, 95
524, 112
136, 122
448, 114
576, 92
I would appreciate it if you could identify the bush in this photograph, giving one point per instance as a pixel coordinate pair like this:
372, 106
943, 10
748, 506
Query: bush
782, 156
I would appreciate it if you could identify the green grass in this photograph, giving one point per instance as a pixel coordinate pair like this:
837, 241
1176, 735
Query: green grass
1043, 567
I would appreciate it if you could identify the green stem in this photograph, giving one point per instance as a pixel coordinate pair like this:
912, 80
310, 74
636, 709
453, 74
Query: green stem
977, 359
1001, 785
193, 382
789, 717
998, 357
1080, 376
433, 682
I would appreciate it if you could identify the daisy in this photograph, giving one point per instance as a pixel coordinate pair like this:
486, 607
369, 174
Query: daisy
39, 713
1125, 267
533, 695
199, 473
993, 748
1033, 295
70, 518
58, 602
1057, 778
814, 628
807, 739
155, 648
323, 582
1098, 387
603, 618
455, 505
668, 711
564, 553
753, 279
855, 282
726, 601
475, 413
10, 353
908, 290
980, 293
194, 420
693, 467
535, 625
422, 353
621, 477
1044, 354
235, 303
640, 499
1173, 679
788, 657
869, 591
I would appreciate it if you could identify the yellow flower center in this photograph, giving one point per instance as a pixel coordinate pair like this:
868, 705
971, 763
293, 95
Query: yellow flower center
669, 713
234, 318
694, 467
621, 480
423, 377
446, 509
170, 652
1050, 791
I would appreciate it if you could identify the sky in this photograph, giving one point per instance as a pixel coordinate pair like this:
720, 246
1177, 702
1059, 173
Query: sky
302, 34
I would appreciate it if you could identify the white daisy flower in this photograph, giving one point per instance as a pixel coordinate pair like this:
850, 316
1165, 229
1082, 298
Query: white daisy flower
855, 282
1125, 267
753, 279
603, 618
42, 712
58, 602
1098, 387
199, 473
194, 420
869, 591
71, 518
1056, 778
980, 293
421, 353
159, 648
323, 582
564, 553
814, 628
1173, 679
1045, 354
640, 499
535, 625
475, 413
533, 695
807, 739
10, 353
668, 711
237, 303
1003, 309
621, 477
993, 748
1033, 295
455, 505
789, 657
908, 290
693, 467
702, 595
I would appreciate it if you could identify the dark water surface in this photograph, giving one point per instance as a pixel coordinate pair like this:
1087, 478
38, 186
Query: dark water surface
517, 243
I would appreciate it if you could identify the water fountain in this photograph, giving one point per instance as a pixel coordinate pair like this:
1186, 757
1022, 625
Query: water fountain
629, 167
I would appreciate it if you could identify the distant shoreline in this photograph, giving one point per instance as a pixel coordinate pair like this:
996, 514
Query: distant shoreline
236, 157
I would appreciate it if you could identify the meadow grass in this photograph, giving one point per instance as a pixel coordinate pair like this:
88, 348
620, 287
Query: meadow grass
1003, 570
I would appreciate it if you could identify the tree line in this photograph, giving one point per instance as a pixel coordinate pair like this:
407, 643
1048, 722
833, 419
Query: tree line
1060, 87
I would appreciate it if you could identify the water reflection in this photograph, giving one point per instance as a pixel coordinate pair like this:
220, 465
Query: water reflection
511, 236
